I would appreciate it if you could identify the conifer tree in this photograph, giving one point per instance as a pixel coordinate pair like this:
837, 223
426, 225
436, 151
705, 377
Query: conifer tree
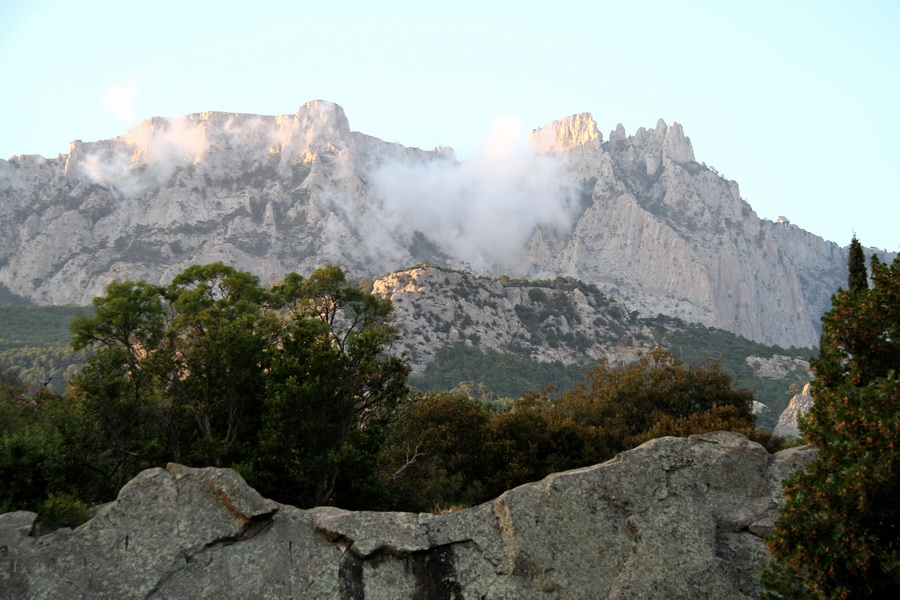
858, 279
838, 536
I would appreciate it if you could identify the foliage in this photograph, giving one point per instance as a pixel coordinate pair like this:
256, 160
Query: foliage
511, 373
62, 510
857, 279
35, 325
330, 388
838, 536
506, 374
35, 459
719, 418
21, 446
437, 452
34, 342
294, 386
695, 343
291, 384
217, 351
861, 332
624, 402
449, 449
37, 342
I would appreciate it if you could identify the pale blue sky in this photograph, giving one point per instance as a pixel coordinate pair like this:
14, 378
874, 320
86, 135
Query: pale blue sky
798, 101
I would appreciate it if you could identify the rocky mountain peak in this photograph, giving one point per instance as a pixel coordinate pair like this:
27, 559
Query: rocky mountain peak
318, 126
800, 404
636, 216
677, 147
324, 116
565, 135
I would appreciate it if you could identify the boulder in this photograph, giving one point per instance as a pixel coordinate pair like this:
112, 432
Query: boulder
673, 518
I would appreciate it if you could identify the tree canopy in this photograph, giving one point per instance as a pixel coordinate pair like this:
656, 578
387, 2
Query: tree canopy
453, 450
857, 278
290, 384
838, 536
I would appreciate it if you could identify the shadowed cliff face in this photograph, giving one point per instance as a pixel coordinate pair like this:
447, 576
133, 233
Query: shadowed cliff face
635, 215
673, 518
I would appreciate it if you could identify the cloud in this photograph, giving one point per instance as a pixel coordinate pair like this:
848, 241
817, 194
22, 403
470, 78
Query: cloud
146, 156
167, 143
484, 209
120, 99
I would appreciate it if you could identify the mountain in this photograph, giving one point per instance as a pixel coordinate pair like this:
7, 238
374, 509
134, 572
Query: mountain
507, 336
636, 216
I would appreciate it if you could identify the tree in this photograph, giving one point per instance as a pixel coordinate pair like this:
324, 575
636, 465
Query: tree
330, 387
35, 461
114, 395
838, 536
293, 385
437, 457
130, 315
622, 403
857, 280
453, 451
221, 338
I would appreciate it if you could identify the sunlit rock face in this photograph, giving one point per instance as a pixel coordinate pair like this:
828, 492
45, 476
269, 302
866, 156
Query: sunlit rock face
437, 307
799, 405
266, 194
635, 215
577, 131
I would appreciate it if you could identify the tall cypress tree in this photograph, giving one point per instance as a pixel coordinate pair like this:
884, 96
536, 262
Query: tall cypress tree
838, 536
858, 279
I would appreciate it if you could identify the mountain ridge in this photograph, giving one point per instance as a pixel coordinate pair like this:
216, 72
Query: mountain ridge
635, 215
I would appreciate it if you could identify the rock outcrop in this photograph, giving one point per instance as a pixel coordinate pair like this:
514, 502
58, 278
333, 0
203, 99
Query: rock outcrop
563, 320
674, 518
636, 216
778, 366
787, 422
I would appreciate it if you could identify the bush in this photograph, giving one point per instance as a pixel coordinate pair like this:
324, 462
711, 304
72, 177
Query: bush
62, 510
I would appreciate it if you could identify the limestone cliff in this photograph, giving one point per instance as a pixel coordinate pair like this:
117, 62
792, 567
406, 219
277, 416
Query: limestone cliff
669, 235
674, 518
636, 216
267, 194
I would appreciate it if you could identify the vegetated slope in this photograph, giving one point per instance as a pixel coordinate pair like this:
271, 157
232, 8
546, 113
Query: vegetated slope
34, 344
562, 320
505, 336
772, 373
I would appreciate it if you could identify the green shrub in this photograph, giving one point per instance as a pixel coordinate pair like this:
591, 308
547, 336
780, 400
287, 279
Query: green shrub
62, 510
